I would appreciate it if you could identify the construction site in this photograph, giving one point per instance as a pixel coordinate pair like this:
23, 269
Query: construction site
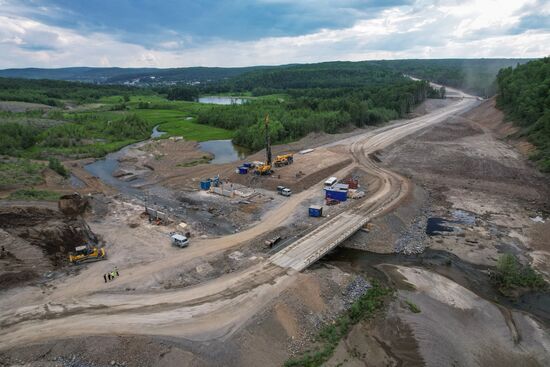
225, 264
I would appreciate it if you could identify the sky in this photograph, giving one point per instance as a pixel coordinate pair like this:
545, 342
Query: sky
171, 33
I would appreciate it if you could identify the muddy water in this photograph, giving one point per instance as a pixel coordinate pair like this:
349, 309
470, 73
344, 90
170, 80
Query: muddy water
104, 169
224, 151
471, 276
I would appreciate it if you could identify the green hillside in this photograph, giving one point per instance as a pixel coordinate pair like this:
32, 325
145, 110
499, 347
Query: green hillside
524, 94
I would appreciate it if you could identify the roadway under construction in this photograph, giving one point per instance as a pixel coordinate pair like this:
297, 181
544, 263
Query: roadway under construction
218, 307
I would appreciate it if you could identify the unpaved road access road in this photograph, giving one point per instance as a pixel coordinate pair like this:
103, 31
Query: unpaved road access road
83, 305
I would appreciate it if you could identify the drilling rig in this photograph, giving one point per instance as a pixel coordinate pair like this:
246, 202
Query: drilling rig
265, 169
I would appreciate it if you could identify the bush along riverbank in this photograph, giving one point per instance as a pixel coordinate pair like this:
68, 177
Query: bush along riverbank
367, 306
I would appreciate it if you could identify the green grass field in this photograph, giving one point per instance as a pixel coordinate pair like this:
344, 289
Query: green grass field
20, 171
175, 123
32, 194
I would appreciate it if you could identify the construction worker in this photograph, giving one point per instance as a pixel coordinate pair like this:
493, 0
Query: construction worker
105, 277
116, 271
112, 275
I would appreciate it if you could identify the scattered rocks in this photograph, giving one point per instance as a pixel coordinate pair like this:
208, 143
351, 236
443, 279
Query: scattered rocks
412, 241
357, 288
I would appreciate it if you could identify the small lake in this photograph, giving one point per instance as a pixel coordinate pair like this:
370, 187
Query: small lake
222, 100
224, 151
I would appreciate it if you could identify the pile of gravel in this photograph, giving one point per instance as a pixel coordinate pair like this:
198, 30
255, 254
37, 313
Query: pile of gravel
357, 288
413, 240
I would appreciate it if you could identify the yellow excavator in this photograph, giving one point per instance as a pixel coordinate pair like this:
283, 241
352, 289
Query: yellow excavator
284, 160
87, 253
265, 168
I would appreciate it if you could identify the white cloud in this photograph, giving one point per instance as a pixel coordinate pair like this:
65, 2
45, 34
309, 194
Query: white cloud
473, 28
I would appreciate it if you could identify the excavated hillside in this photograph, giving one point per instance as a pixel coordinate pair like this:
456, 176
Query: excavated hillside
36, 238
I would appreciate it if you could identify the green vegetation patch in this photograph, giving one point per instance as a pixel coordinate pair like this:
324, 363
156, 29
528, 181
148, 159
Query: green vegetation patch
203, 160
34, 195
329, 337
175, 123
55, 165
510, 275
412, 307
20, 172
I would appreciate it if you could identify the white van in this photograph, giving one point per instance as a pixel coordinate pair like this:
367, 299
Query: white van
179, 240
331, 181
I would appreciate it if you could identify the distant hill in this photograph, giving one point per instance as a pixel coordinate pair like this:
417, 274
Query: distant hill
128, 75
476, 76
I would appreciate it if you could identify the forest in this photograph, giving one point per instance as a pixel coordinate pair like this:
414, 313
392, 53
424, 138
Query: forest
300, 99
325, 97
524, 95
55, 92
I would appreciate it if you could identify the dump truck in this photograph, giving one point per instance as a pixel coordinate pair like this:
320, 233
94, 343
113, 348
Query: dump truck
284, 160
87, 253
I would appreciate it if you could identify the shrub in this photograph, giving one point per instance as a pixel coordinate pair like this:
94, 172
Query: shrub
329, 336
510, 273
56, 165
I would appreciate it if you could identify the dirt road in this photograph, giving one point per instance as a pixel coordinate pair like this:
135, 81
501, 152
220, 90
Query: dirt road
84, 305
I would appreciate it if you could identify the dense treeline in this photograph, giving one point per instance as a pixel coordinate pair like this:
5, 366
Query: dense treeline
54, 92
320, 97
524, 94
180, 93
475, 76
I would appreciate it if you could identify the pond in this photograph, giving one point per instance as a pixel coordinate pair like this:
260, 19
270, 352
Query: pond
225, 100
224, 151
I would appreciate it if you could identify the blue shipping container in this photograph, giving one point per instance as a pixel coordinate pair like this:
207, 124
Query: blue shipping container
315, 211
247, 165
339, 195
205, 185
243, 170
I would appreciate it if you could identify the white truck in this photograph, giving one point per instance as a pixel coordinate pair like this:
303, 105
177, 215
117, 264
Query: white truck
284, 191
331, 181
179, 240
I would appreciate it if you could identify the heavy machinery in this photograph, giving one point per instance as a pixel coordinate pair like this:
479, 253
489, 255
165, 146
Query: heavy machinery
87, 253
265, 168
284, 160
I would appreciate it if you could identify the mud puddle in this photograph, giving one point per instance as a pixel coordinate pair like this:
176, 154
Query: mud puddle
436, 226
473, 277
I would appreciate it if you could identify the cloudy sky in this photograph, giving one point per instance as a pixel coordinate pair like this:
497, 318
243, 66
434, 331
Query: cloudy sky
171, 33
